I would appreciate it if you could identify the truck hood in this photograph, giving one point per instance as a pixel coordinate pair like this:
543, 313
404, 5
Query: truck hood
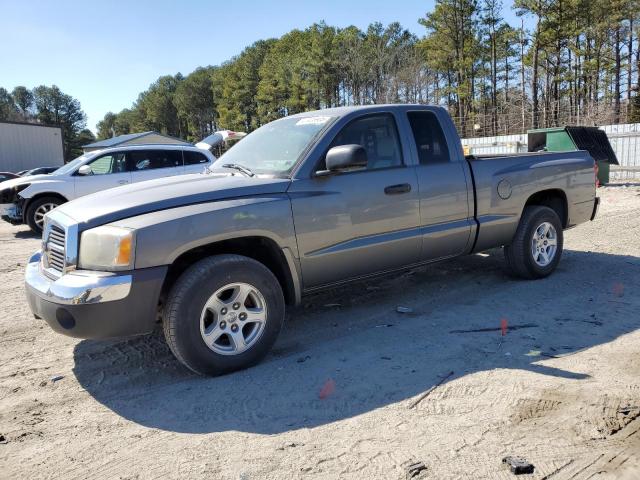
164, 193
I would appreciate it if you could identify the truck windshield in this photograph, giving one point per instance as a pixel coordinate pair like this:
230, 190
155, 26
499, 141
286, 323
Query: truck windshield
273, 149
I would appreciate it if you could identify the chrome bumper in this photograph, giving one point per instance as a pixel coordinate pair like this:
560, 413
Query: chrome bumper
7, 209
77, 287
9, 213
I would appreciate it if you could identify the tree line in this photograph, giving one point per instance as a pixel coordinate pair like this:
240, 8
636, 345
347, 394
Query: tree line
567, 62
50, 106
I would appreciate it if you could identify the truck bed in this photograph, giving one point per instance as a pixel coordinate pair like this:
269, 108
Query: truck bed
474, 157
504, 183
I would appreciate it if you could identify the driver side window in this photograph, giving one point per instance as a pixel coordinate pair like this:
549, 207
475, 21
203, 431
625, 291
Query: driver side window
109, 163
378, 135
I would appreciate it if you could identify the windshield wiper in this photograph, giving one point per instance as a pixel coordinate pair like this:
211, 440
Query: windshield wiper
240, 168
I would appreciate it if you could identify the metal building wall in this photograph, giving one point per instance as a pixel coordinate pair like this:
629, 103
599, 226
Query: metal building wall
625, 141
503, 144
24, 146
624, 138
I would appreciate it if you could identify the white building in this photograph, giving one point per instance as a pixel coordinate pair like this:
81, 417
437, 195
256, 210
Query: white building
141, 138
24, 146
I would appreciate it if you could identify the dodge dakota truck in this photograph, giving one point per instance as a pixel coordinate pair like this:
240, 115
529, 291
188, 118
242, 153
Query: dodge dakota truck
306, 202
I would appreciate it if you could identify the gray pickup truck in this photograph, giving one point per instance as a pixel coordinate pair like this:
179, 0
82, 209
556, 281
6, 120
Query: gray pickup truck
303, 203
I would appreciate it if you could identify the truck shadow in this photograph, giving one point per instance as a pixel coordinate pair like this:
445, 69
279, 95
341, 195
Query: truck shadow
349, 351
27, 234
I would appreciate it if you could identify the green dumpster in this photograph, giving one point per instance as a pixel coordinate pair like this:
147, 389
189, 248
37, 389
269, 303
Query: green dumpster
566, 139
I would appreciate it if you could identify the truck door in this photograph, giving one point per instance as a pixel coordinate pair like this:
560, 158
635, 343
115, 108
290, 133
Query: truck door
356, 223
446, 191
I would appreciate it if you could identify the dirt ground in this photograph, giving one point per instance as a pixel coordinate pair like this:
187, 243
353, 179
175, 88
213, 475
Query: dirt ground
341, 394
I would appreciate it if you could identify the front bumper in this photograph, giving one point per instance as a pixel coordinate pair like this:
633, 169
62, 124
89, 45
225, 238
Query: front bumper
90, 304
11, 212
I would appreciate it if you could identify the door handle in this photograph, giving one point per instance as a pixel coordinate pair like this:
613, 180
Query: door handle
122, 182
396, 189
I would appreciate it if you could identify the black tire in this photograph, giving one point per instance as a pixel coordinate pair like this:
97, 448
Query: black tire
519, 255
33, 210
186, 301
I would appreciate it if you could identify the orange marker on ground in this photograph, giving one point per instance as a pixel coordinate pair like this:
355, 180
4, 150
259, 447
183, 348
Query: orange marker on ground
327, 389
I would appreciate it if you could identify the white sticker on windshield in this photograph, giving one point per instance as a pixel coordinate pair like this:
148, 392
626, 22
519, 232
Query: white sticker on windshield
313, 121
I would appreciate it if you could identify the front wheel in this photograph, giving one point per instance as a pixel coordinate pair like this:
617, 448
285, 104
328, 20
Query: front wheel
537, 245
37, 209
224, 313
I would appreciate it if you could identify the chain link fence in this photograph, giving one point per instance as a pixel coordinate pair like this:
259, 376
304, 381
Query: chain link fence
624, 139
513, 119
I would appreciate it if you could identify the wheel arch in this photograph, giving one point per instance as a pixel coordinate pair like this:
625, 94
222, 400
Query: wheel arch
30, 200
555, 199
262, 249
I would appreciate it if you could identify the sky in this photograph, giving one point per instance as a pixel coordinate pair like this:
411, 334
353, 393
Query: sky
105, 53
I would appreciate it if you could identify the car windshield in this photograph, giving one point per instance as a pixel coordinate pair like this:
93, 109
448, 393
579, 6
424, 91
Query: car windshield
273, 149
72, 165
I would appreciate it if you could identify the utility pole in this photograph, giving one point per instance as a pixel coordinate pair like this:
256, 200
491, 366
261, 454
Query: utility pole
522, 84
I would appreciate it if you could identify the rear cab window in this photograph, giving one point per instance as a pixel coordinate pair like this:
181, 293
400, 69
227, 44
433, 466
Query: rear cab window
431, 143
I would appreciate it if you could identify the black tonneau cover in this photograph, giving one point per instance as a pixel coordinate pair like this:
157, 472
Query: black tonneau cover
591, 139
594, 141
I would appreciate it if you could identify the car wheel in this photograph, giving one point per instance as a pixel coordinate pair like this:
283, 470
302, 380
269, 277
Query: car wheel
537, 245
224, 313
37, 209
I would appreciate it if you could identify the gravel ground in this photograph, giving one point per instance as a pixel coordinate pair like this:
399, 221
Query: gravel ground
343, 393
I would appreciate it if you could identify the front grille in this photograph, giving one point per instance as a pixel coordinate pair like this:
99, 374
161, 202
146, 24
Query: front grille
55, 248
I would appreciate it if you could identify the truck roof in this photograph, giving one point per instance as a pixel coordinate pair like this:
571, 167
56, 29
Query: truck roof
341, 111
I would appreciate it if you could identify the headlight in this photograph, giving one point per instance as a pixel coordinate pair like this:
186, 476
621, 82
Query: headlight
10, 194
107, 248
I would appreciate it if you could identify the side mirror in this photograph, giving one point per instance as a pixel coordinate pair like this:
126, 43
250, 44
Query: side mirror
345, 157
85, 170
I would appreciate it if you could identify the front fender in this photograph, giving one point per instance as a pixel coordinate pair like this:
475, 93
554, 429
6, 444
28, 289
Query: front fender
54, 187
163, 236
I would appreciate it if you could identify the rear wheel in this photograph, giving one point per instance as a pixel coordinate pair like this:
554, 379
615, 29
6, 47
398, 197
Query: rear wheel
223, 314
537, 245
37, 209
